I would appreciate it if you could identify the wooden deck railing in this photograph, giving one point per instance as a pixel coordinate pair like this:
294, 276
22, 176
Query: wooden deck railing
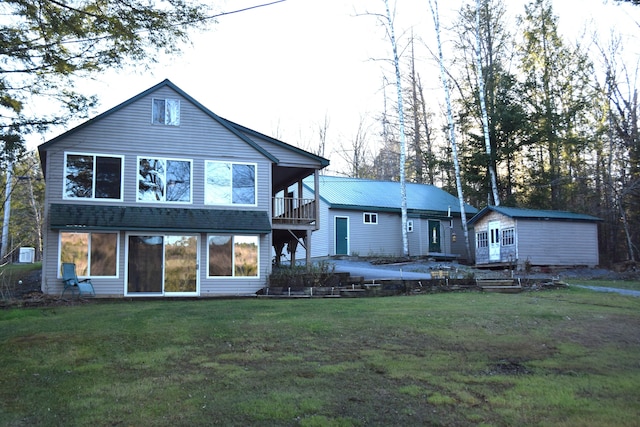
293, 210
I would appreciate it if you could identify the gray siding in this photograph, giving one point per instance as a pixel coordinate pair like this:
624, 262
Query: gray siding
128, 132
557, 243
543, 242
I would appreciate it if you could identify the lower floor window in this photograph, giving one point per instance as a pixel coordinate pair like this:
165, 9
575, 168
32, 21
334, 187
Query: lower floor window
233, 256
94, 254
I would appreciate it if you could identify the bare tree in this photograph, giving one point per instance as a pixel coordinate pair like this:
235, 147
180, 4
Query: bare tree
452, 134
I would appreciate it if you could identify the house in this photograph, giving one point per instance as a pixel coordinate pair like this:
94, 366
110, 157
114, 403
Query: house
363, 217
532, 237
159, 196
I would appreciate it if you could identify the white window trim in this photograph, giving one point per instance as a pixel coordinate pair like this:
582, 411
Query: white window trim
233, 276
410, 226
165, 122
373, 218
255, 184
172, 202
92, 198
59, 273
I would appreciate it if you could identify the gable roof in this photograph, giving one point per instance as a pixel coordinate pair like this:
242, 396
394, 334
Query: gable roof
239, 131
368, 194
534, 214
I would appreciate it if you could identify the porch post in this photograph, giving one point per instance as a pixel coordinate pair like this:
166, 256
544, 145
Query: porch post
307, 247
316, 196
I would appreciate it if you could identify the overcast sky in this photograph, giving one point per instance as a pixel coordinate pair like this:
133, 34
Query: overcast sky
281, 69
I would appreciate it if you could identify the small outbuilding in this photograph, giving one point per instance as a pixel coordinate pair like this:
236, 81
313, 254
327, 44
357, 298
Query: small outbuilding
533, 237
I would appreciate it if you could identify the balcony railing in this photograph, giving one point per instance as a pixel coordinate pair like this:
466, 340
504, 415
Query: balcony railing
293, 210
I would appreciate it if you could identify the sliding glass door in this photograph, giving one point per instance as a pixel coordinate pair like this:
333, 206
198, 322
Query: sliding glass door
162, 265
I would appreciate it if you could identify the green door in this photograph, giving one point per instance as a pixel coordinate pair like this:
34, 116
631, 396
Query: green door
342, 235
434, 236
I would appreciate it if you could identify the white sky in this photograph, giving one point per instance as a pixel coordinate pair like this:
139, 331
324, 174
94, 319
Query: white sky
281, 69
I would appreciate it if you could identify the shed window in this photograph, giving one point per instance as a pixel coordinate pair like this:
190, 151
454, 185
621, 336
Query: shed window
370, 218
165, 112
410, 226
508, 236
482, 239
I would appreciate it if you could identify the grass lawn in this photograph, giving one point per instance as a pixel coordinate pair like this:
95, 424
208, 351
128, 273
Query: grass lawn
554, 358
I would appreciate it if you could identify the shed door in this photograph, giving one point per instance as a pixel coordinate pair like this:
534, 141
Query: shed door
342, 235
494, 241
434, 236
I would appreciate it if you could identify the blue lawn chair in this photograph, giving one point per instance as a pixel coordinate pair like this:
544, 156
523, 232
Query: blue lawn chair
71, 282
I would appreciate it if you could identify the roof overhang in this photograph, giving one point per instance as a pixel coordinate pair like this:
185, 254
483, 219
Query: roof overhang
154, 219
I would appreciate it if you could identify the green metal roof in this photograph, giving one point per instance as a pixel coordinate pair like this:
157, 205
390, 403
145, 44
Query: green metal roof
535, 214
368, 194
147, 218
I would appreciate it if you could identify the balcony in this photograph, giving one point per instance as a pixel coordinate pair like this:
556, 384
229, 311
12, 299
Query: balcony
293, 211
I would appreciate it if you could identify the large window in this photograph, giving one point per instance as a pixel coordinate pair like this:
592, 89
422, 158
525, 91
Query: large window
94, 254
165, 112
92, 176
233, 256
164, 180
482, 239
229, 183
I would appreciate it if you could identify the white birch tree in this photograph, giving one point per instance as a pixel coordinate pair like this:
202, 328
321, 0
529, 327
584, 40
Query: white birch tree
433, 4
483, 108
403, 142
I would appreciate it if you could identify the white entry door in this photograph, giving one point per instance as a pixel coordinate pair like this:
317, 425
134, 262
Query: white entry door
494, 241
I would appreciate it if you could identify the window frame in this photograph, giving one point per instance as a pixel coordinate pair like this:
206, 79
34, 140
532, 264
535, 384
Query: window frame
166, 160
508, 236
166, 116
482, 239
95, 156
208, 188
233, 238
370, 218
89, 254
409, 226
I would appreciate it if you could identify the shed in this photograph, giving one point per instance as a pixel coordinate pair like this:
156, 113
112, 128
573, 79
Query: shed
505, 235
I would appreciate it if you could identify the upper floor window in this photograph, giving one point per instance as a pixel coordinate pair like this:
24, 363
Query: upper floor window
508, 236
482, 239
93, 176
370, 218
229, 183
164, 180
165, 112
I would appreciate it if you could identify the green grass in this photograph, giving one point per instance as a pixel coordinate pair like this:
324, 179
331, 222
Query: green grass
554, 358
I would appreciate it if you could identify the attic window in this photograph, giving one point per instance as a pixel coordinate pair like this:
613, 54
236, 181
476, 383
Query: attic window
370, 218
165, 112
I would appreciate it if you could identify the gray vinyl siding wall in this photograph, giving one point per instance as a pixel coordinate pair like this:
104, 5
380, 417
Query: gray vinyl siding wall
557, 242
381, 239
128, 132
543, 242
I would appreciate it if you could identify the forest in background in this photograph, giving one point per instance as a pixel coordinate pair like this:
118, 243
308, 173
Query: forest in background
563, 126
562, 123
